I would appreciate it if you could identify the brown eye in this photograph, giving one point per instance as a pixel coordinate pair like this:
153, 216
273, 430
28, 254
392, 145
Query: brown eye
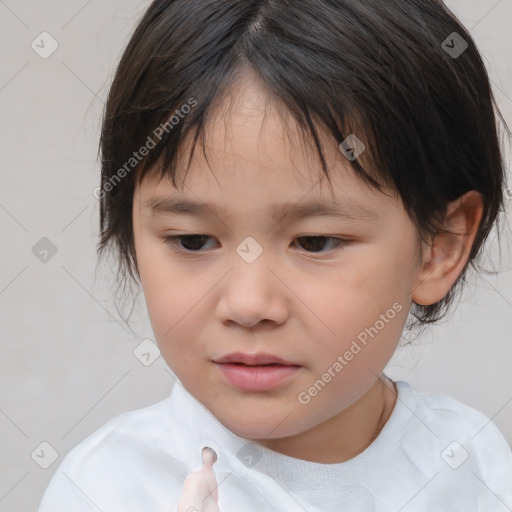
312, 244
317, 243
191, 243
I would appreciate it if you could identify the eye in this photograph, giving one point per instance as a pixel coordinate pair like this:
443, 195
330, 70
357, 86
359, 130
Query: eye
316, 243
194, 243
189, 243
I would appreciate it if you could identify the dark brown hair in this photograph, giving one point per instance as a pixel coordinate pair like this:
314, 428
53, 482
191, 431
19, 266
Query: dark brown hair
382, 69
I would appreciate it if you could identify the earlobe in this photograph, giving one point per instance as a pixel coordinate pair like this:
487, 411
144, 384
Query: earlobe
445, 259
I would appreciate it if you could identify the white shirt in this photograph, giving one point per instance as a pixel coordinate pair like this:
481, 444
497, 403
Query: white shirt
434, 454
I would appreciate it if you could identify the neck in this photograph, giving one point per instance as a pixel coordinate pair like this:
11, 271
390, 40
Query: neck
346, 434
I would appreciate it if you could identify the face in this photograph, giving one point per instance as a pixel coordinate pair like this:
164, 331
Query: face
327, 293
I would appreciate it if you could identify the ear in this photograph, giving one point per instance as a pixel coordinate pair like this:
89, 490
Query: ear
446, 256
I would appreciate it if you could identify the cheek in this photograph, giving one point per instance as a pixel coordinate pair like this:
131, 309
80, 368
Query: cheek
169, 292
354, 294
177, 299
359, 309
155, 279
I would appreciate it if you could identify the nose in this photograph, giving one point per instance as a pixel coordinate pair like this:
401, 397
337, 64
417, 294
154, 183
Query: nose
253, 293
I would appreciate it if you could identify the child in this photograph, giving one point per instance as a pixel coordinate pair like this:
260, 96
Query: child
278, 303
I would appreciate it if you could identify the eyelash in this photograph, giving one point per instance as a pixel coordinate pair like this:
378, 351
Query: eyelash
173, 240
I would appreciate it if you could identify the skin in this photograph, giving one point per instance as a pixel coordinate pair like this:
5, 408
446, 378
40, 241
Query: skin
303, 304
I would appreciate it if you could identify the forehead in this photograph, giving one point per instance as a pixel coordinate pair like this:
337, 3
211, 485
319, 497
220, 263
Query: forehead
255, 153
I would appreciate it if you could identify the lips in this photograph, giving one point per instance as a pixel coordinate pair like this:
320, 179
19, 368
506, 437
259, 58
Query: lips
260, 359
256, 372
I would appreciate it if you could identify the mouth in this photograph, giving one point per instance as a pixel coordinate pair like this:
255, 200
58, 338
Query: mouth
251, 365
256, 377
259, 359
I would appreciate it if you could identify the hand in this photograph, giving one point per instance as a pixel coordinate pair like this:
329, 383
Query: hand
199, 493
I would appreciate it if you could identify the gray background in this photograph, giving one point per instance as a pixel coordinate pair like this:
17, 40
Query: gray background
68, 363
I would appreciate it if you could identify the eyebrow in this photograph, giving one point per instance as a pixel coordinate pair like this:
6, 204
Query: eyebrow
160, 206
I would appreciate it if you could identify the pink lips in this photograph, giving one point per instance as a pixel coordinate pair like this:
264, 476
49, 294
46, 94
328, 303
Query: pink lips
256, 372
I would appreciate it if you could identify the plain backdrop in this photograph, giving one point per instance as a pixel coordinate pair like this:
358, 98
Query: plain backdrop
68, 363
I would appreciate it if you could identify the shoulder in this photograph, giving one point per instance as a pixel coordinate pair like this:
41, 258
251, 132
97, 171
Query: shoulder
127, 430
450, 417
108, 462
448, 436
